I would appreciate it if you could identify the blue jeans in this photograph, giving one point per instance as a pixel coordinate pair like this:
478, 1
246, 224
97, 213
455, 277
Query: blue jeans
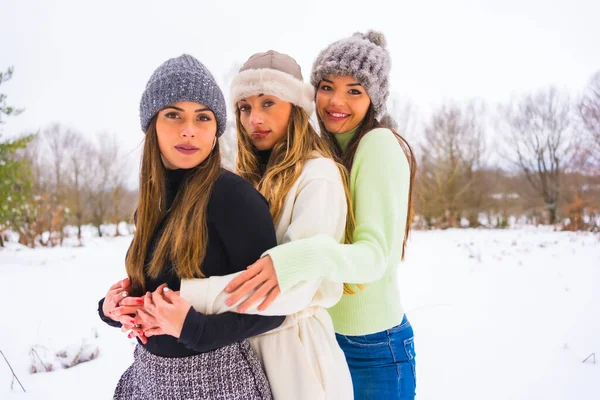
382, 364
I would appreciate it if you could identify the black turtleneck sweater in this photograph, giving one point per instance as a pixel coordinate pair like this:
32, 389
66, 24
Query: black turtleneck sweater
240, 229
263, 159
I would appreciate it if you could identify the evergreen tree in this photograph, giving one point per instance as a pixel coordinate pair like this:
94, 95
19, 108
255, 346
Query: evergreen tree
15, 174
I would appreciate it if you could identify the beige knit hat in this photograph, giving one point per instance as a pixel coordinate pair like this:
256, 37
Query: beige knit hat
275, 74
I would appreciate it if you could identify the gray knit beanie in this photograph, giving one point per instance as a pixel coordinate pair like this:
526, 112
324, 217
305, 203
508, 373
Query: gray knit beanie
363, 56
183, 78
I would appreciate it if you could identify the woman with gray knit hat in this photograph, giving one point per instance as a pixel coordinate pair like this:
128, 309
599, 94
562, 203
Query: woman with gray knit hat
193, 220
351, 81
285, 159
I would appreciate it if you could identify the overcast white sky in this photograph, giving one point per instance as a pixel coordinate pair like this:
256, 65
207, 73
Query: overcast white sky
85, 64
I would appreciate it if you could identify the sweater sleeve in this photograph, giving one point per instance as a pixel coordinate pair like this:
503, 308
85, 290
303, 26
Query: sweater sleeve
380, 184
241, 217
319, 209
204, 333
104, 318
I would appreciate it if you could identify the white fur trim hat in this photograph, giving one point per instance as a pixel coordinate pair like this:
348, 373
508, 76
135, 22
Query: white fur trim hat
275, 74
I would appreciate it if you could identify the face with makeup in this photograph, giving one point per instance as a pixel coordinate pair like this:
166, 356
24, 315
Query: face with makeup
186, 132
265, 119
342, 103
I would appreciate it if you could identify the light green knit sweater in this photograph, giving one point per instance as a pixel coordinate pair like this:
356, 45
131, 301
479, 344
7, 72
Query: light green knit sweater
379, 185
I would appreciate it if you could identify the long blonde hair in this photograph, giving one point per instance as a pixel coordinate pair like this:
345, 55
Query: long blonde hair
184, 237
285, 165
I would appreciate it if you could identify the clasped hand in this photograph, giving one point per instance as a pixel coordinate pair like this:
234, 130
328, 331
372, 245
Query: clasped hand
161, 312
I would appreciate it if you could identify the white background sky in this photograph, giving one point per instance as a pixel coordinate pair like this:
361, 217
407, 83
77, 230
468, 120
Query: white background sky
85, 64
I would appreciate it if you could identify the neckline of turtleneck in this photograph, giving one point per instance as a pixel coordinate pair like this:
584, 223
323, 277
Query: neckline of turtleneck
174, 178
344, 138
263, 158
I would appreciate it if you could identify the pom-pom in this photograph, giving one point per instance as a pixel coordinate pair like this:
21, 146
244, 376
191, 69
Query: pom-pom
376, 37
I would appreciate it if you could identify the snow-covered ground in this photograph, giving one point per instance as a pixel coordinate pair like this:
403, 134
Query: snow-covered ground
497, 315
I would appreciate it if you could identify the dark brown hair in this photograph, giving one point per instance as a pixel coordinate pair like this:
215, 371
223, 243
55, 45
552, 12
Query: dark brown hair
184, 237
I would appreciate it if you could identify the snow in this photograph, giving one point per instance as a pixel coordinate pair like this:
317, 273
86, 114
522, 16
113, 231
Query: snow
497, 314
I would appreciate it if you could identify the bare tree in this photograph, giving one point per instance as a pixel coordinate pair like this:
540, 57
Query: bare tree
79, 170
589, 111
405, 116
539, 140
47, 157
118, 193
35, 153
59, 141
452, 155
106, 187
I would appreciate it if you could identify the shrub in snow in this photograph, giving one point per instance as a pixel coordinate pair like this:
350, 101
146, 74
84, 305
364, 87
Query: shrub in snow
45, 360
74, 355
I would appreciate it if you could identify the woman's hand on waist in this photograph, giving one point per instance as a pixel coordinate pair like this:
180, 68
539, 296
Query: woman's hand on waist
259, 278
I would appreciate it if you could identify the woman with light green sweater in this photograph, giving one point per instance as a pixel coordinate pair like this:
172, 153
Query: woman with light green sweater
351, 81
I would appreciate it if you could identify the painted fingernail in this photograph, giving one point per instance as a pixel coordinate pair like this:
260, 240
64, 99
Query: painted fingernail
132, 322
140, 301
166, 289
124, 294
130, 335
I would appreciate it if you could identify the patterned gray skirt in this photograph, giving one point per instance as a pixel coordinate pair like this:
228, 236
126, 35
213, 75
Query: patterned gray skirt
231, 372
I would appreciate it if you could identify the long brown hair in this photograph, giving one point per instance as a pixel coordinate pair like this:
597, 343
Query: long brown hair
285, 165
368, 124
184, 237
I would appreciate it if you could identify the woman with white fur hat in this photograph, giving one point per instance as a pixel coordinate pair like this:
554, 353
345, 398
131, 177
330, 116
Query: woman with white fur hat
283, 157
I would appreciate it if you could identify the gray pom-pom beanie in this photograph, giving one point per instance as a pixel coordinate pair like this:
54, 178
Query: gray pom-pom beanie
183, 78
363, 56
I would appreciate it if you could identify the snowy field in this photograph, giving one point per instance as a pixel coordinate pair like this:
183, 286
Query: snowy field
497, 314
